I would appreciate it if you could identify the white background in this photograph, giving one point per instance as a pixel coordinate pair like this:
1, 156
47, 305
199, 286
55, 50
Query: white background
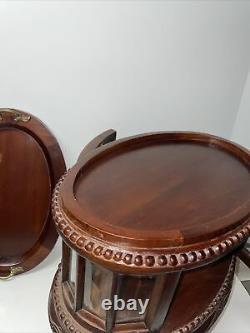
83, 67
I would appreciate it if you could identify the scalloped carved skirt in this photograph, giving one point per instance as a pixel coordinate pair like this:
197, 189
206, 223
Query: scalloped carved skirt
199, 298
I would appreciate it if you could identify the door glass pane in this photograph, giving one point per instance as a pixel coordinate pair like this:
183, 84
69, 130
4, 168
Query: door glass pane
134, 288
72, 272
97, 287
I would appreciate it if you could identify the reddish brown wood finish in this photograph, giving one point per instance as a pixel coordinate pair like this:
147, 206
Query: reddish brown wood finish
162, 214
66, 260
31, 163
179, 189
165, 201
100, 140
199, 299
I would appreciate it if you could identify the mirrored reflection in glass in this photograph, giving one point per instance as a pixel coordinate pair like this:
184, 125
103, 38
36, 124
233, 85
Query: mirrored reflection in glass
134, 288
98, 282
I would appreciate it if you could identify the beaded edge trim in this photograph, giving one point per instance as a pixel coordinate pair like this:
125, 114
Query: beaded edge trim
140, 258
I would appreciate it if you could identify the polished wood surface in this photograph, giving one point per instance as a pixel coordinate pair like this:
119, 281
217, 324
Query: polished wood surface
198, 289
163, 200
25, 193
177, 188
30, 164
157, 216
100, 140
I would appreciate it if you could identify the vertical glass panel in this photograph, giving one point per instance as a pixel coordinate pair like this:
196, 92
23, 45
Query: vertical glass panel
72, 272
132, 290
98, 283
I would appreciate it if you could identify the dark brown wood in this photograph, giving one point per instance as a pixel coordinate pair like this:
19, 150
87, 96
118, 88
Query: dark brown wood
184, 196
164, 175
167, 212
160, 300
195, 300
199, 299
66, 261
80, 282
31, 163
102, 139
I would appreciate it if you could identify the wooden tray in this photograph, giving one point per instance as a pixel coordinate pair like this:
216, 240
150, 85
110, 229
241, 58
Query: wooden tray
158, 216
157, 202
30, 164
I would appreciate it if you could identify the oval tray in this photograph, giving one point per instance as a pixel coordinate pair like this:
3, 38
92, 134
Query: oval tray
157, 202
30, 164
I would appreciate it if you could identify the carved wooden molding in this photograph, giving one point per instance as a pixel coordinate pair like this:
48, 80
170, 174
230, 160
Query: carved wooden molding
216, 306
71, 326
54, 327
65, 323
144, 260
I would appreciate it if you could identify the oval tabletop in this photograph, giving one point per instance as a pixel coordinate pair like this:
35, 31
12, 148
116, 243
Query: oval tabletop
158, 201
30, 164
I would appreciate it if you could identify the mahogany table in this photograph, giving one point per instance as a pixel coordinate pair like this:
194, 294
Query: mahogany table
156, 217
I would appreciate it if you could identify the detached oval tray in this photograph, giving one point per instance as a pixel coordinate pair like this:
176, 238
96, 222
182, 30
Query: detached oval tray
31, 162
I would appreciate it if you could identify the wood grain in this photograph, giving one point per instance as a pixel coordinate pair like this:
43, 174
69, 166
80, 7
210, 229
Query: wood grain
31, 163
161, 216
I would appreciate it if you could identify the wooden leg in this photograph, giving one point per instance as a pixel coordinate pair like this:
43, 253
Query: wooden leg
160, 300
66, 261
110, 314
80, 279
